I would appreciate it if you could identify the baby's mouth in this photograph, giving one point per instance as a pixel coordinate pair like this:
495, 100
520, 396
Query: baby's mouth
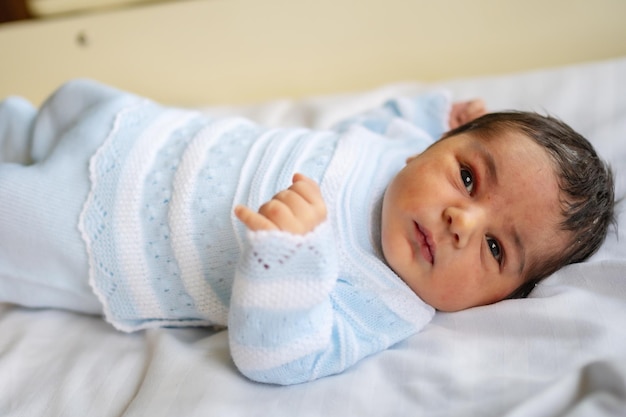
425, 242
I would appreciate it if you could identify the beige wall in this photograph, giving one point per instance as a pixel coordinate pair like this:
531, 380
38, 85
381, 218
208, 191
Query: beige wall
233, 51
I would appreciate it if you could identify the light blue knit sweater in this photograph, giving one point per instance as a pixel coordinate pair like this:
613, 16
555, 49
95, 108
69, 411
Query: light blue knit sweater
164, 248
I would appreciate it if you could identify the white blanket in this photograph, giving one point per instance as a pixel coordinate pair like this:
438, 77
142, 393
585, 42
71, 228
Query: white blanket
560, 352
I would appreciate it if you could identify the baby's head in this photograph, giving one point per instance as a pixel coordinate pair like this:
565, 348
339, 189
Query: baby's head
494, 207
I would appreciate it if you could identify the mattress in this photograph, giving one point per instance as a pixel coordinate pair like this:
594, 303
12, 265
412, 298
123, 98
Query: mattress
560, 352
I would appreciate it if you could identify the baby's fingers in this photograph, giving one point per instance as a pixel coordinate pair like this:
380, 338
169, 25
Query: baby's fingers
299, 209
253, 220
310, 191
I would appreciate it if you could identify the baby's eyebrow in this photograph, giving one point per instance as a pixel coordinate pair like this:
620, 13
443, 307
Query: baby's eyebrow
520, 249
488, 160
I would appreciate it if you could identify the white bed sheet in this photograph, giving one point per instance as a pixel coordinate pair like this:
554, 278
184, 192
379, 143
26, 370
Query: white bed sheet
560, 352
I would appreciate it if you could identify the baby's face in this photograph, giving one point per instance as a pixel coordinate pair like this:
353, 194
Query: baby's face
464, 219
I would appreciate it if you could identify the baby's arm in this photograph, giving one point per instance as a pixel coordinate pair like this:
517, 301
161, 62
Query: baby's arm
280, 308
280, 312
424, 117
431, 113
298, 209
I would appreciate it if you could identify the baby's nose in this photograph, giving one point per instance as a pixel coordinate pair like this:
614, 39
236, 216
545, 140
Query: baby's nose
463, 223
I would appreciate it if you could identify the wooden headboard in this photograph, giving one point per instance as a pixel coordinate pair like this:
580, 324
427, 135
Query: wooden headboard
233, 51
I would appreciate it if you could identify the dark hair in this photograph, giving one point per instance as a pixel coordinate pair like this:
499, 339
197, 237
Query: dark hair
586, 184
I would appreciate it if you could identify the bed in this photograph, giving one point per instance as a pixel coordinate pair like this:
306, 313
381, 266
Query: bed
561, 352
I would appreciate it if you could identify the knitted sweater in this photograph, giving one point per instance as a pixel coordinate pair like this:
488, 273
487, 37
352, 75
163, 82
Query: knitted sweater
165, 249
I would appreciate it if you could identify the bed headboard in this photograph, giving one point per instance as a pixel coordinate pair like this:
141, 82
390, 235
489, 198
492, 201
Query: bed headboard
233, 51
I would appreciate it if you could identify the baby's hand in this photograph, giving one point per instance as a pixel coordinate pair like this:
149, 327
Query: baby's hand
298, 209
466, 111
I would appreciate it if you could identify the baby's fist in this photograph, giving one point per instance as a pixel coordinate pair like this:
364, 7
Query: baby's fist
298, 209
466, 111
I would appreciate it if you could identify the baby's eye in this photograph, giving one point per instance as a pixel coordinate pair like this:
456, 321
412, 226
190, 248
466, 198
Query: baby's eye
495, 249
468, 179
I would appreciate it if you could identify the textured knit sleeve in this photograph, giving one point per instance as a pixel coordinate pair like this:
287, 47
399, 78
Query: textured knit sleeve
280, 310
293, 320
404, 117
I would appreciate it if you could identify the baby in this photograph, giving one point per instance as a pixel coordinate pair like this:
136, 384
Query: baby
156, 216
